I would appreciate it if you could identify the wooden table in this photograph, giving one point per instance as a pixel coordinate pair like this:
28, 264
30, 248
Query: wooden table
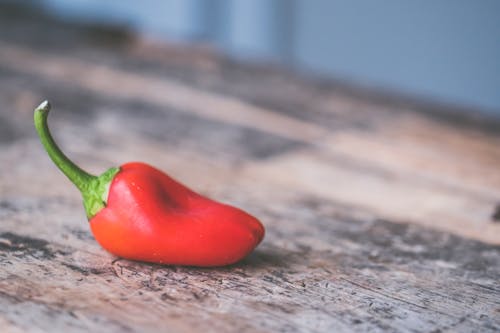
382, 215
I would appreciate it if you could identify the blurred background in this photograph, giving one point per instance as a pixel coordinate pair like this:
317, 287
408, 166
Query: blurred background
443, 51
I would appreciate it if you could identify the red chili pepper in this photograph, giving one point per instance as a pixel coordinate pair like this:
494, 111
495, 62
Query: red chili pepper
138, 212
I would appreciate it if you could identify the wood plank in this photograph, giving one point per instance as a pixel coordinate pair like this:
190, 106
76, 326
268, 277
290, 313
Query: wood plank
402, 147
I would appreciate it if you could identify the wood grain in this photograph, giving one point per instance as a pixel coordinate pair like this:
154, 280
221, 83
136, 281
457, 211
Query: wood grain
380, 215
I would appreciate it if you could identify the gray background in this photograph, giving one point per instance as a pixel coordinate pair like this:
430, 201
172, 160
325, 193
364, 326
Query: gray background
446, 51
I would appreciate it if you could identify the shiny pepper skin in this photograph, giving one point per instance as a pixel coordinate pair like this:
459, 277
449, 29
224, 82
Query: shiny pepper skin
138, 212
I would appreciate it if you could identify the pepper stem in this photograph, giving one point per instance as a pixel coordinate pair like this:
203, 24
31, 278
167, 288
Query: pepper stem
94, 189
77, 176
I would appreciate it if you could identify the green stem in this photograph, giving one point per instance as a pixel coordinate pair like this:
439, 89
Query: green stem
94, 189
77, 176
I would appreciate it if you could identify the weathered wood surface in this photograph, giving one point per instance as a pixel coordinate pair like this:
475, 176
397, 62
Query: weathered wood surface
380, 215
